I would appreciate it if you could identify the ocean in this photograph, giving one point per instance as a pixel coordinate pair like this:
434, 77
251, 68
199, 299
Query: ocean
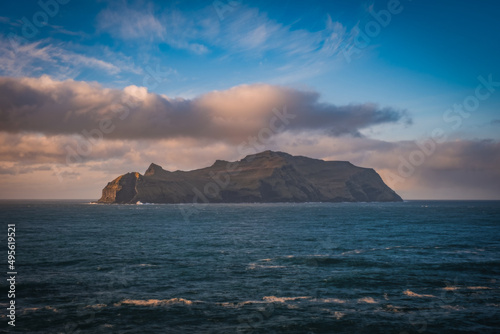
411, 267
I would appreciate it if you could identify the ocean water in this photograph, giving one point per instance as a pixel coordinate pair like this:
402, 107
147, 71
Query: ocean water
412, 267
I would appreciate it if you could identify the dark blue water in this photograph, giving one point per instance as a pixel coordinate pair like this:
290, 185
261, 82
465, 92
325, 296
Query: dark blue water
413, 267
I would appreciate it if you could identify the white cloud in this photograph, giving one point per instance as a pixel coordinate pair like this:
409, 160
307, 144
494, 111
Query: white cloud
122, 21
247, 31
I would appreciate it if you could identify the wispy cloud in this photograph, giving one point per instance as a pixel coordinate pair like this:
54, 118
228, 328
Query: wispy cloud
61, 30
253, 32
126, 22
249, 32
21, 59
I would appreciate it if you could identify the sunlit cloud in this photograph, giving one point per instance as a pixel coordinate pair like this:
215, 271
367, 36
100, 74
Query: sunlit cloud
69, 107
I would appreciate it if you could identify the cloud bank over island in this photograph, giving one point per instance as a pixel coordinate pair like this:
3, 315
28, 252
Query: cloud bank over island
52, 107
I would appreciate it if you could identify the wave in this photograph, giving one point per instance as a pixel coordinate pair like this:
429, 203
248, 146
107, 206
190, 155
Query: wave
288, 300
331, 300
44, 308
155, 302
453, 307
367, 300
96, 306
413, 294
454, 288
275, 299
239, 304
394, 309
253, 266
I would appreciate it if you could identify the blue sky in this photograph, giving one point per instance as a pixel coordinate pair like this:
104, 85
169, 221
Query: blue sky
423, 60
427, 57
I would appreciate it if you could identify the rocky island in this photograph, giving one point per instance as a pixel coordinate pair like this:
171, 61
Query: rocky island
264, 177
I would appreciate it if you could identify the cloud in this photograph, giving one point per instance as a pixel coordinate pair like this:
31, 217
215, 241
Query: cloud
250, 31
125, 22
20, 59
7, 171
138, 22
32, 148
495, 122
20, 169
243, 31
455, 169
54, 107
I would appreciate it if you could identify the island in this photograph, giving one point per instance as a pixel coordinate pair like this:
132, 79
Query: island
266, 177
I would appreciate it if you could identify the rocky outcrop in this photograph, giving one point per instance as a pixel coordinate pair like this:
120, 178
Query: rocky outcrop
122, 189
263, 177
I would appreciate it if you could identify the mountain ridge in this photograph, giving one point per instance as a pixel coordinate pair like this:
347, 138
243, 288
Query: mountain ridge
262, 177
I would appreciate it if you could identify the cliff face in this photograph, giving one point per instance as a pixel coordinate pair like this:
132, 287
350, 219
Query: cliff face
122, 189
264, 177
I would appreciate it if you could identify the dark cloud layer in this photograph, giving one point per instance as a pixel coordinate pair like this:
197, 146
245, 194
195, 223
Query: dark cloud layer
69, 107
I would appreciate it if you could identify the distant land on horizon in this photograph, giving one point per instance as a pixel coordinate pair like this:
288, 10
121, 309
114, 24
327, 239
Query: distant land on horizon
266, 177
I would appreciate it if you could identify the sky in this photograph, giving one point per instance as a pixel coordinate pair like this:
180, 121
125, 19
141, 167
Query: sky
90, 90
